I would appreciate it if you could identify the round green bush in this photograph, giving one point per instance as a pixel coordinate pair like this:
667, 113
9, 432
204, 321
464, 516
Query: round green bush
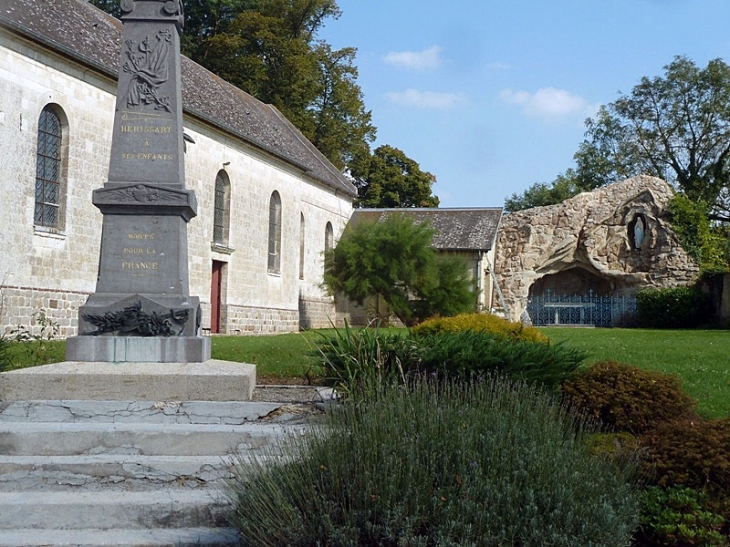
486, 464
627, 398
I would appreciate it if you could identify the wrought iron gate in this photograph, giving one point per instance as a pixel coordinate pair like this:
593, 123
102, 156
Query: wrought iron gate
587, 309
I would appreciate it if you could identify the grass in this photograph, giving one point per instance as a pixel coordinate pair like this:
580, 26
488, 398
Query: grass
282, 358
700, 358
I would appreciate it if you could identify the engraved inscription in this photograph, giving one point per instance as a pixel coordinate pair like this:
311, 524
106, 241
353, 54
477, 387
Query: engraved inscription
145, 129
139, 265
148, 156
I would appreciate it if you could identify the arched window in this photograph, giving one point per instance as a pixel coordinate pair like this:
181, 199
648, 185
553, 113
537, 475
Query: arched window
275, 233
329, 244
329, 237
221, 209
49, 188
301, 246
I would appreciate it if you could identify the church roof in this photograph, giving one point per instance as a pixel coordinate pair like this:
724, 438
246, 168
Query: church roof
84, 33
457, 229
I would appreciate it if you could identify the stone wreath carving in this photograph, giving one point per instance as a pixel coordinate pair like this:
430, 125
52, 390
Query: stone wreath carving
144, 194
132, 321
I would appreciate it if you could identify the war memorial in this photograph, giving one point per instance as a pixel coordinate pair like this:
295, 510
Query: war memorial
140, 332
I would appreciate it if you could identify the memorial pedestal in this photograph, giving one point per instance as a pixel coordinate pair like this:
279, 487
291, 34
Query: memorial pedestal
212, 380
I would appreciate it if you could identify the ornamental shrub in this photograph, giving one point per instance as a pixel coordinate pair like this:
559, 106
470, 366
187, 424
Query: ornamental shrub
678, 516
674, 308
694, 453
467, 353
627, 398
480, 322
357, 363
453, 464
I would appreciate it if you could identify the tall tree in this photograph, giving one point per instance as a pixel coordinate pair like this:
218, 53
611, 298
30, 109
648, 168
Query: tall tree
389, 178
675, 126
269, 48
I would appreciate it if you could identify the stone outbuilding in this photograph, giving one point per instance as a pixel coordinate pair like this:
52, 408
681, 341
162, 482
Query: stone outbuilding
611, 241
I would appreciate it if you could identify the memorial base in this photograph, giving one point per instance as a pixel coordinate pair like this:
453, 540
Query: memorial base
138, 349
213, 380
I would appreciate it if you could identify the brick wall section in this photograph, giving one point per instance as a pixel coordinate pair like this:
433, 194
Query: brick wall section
19, 304
316, 313
249, 320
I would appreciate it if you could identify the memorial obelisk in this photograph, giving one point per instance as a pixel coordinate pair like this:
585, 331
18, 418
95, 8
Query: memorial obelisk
142, 310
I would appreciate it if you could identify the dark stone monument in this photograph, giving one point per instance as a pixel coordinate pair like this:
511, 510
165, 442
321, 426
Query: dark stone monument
142, 310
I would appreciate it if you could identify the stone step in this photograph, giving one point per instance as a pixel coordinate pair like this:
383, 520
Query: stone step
80, 510
179, 537
132, 472
193, 412
49, 438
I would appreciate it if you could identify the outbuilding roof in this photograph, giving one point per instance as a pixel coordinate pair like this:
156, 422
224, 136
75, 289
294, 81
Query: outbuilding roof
457, 229
86, 34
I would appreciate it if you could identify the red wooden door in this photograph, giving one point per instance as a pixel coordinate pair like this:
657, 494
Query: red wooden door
215, 296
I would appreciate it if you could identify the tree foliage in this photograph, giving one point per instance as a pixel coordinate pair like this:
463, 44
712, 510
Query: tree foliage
269, 48
675, 126
540, 193
394, 258
388, 178
709, 245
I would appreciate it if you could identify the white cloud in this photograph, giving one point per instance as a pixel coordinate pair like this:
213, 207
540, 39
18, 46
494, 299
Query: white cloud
416, 60
549, 102
498, 66
426, 99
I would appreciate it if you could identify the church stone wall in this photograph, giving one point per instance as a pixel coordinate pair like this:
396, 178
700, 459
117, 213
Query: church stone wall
56, 269
41, 268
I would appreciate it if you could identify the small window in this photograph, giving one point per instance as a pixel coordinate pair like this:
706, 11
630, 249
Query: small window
48, 173
301, 246
329, 243
274, 265
221, 209
329, 237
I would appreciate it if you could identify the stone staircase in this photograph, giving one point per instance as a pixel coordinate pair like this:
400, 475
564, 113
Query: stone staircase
128, 474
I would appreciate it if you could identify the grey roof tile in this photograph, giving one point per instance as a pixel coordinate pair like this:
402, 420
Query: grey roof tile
463, 229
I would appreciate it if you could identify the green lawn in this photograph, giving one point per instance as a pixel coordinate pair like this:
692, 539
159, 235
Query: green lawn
701, 358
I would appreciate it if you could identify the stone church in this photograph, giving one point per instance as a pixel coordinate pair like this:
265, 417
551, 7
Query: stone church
269, 203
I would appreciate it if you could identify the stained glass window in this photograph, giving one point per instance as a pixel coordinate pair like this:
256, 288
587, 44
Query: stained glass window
48, 170
275, 233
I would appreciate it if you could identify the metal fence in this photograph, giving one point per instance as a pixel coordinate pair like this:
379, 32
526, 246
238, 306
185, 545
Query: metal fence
582, 309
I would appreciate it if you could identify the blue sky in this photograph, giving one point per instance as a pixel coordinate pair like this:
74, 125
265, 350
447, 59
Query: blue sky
491, 95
